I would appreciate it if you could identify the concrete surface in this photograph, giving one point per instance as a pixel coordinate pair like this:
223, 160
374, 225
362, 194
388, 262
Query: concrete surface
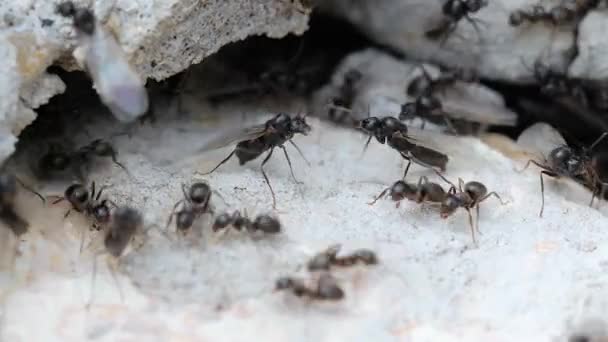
529, 279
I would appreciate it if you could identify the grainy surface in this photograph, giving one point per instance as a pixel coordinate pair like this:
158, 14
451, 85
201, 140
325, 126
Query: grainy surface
529, 279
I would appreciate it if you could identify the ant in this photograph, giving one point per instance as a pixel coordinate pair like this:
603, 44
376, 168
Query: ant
196, 203
424, 84
329, 257
346, 96
565, 161
125, 223
274, 133
57, 161
454, 11
390, 130
426, 107
88, 203
263, 223
557, 84
558, 15
326, 287
468, 196
424, 191
8, 195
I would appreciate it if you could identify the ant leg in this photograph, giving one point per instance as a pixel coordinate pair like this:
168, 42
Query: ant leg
88, 305
542, 190
477, 219
444, 179
449, 123
299, 151
460, 184
67, 214
598, 140
366, 145
379, 196
217, 193
532, 161
92, 189
290, 167
493, 193
115, 161
407, 168
274, 200
220, 164
471, 225
100, 191
185, 192
59, 199
113, 273
82, 235
30, 189
172, 214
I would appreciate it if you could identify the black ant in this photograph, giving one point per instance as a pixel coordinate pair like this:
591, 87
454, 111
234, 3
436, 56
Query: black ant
274, 133
8, 195
88, 203
423, 192
196, 203
390, 130
57, 161
557, 84
454, 11
424, 84
468, 196
263, 223
326, 287
558, 15
125, 223
329, 257
346, 96
565, 161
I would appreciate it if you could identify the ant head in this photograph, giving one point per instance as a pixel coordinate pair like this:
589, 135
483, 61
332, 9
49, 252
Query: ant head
367, 256
449, 205
475, 5
184, 219
102, 148
352, 76
8, 188
475, 190
84, 21
200, 193
101, 213
369, 125
284, 283
429, 103
267, 224
408, 111
328, 288
562, 14
566, 160
401, 190
66, 9
221, 221
77, 195
54, 161
321, 261
299, 125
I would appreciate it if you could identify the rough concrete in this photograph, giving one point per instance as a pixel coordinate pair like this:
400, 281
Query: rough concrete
529, 279
497, 51
160, 39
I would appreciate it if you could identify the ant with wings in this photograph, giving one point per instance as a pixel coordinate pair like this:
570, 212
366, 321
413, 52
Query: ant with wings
389, 130
563, 160
256, 140
453, 12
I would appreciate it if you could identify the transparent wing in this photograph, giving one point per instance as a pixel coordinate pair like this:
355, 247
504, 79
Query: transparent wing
118, 84
540, 139
232, 135
477, 104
